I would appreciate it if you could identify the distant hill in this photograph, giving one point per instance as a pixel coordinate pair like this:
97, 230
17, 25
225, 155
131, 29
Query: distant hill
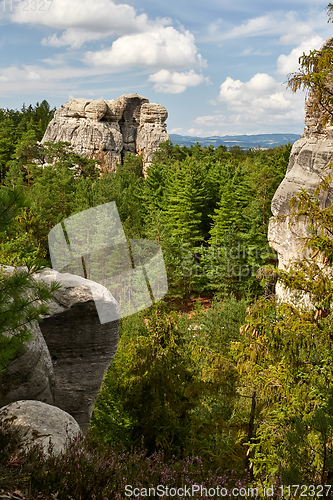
265, 141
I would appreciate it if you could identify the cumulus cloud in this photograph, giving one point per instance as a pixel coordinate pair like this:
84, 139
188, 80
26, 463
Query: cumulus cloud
138, 42
261, 89
175, 83
260, 102
289, 64
164, 47
85, 20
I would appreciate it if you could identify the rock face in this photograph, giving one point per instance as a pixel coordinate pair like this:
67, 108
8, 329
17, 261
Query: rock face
107, 130
30, 374
309, 156
80, 346
40, 423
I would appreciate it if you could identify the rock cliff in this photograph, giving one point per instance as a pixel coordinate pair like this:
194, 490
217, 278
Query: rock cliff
308, 159
107, 130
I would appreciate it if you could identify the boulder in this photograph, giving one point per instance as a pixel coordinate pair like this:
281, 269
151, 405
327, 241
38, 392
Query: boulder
96, 110
40, 423
106, 130
308, 159
30, 374
81, 348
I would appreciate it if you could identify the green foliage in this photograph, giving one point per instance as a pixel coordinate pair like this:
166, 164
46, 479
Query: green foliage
315, 77
16, 127
186, 384
86, 469
22, 298
285, 359
174, 382
154, 380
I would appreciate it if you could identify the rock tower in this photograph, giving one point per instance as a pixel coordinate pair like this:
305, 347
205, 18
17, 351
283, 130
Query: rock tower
308, 159
107, 130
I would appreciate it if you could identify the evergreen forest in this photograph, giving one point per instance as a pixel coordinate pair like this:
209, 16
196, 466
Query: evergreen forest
215, 384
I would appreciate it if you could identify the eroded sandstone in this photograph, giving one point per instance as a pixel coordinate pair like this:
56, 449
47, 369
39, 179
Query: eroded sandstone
29, 374
106, 130
309, 157
40, 424
81, 348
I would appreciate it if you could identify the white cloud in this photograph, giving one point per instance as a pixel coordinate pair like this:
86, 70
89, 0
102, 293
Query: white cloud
164, 47
36, 79
195, 132
177, 130
260, 102
289, 64
258, 89
250, 123
285, 25
32, 75
257, 26
250, 52
138, 41
175, 83
85, 20
72, 37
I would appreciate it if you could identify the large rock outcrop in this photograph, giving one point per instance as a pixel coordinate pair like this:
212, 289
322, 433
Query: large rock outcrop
40, 423
81, 348
308, 159
71, 350
107, 130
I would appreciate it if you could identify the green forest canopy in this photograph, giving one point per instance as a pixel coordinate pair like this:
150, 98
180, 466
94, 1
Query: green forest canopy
247, 383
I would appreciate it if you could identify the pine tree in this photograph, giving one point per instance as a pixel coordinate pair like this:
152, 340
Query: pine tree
286, 360
22, 298
315, 77
185, 203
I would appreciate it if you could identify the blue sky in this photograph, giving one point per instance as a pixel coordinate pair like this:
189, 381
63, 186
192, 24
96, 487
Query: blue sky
219, 67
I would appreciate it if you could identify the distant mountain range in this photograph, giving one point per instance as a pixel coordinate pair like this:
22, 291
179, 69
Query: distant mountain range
265, 141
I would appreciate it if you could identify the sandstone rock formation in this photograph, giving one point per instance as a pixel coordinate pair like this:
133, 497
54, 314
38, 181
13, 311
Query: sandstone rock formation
81, 347
65, 363
30, 374
107, 130
308, 159
40, 423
